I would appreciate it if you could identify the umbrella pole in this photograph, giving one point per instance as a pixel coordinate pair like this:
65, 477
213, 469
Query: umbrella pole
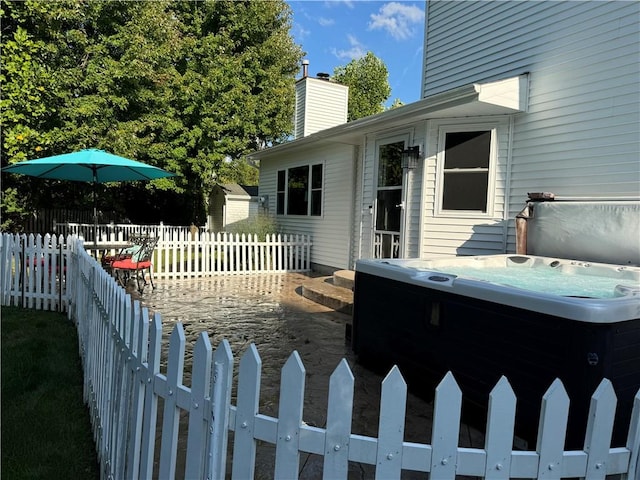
95, 206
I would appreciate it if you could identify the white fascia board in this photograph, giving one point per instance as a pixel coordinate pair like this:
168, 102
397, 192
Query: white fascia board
511, 93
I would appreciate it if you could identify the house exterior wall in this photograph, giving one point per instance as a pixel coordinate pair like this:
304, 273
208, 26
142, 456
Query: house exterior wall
579, 137
459, 234
425, 233
330, 232
320, 104
575, 135
412, 134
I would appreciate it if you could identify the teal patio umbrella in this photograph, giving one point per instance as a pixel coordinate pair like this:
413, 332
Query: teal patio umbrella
91, 165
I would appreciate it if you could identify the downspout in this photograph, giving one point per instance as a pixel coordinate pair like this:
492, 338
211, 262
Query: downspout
405, 202
507, 189
354, 202
521, 229
364, 162
523, 217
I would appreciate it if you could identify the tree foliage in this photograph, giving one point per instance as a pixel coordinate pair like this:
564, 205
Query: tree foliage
368, 81
190, 87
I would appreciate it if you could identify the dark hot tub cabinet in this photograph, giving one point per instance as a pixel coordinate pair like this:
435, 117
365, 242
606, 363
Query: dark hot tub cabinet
416, 314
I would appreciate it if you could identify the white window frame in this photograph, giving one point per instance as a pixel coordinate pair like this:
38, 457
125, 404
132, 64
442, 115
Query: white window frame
310, 189
491, 177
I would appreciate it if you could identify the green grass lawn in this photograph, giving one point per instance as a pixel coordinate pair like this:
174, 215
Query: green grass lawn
46, 431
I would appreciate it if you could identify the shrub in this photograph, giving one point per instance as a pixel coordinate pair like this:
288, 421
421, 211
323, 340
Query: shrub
261, 225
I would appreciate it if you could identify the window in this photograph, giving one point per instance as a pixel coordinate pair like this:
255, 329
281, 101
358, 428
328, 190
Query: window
280, 192
465, 164
316, 190
299, 191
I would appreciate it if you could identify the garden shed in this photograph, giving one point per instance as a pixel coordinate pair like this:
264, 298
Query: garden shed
231, 203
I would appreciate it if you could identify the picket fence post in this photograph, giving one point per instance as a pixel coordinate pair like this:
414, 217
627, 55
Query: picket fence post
393, 407
447, 405
339, 416
244, 448
633, 441
139, 351
200, 386
150, 399
500, 430
220, 407
292, 380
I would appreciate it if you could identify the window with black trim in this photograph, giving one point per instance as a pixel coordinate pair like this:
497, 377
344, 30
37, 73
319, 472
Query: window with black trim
299, 190
465, 170
280, 192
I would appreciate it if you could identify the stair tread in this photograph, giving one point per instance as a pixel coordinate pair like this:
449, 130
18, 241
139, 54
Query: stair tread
320, 290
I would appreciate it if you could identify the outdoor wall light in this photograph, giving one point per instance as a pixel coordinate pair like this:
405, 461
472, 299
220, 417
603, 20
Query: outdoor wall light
410, 157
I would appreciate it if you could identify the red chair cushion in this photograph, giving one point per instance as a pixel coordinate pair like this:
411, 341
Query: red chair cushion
127, 264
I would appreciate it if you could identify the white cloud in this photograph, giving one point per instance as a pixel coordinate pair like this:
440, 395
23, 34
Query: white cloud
397, 19
356, 50
337, 3
326, 22
299, 32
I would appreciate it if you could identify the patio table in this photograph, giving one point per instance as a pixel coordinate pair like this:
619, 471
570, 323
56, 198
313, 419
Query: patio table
100, 249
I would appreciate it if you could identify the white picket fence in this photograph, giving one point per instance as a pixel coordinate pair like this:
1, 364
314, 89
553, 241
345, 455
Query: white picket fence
31, 265
120, 348
183, 254
33, 271
112, 231
215, 253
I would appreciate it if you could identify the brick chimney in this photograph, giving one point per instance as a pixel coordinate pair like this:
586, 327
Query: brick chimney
320, 103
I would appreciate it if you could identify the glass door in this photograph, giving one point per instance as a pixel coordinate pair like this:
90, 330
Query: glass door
389, 204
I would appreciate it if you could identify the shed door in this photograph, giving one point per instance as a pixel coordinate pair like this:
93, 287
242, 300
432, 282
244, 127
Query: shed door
389, 203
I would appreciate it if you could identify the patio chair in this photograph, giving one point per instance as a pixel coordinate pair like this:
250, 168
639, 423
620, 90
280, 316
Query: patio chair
136, 265
136, 242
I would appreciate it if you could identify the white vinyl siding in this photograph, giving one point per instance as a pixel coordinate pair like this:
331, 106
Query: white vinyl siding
330, 232
320, 104
579, 137
464, 234
366, 182
239, 209
367, 199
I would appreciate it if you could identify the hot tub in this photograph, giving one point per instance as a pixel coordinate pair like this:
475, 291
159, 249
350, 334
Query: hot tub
529, 318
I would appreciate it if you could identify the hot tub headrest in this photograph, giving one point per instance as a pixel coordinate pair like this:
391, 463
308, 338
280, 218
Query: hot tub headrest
605, 231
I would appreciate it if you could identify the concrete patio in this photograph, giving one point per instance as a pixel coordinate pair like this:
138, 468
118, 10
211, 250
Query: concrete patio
270, 311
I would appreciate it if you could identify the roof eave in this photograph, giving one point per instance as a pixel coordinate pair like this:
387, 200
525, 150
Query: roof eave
501, 97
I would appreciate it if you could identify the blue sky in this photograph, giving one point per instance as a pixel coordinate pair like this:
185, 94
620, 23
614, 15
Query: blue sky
334, 32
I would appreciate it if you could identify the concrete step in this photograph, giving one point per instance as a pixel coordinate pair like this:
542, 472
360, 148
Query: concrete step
323, 290
344, 279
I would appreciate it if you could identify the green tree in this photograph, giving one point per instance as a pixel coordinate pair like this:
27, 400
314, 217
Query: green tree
396, 103
180, 85
368, 81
